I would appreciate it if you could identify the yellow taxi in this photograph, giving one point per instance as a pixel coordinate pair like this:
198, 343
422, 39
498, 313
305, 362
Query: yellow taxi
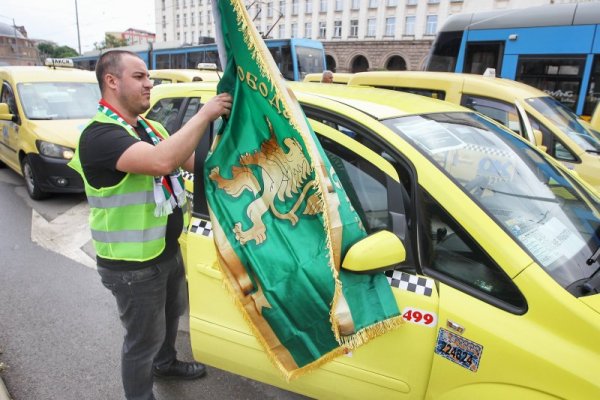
499, 285
43, 110
338, 77
205, 72
535, 115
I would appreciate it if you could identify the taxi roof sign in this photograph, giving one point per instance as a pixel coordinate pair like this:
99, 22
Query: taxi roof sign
208, 66
59, 62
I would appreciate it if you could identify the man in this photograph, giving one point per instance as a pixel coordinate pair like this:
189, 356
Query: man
327, 76
130, 168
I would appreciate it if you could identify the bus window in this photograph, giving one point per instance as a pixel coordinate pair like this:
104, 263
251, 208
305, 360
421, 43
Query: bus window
593, 90
310, 61
483, 55
444, 52
287, 66
558, 76
163, 61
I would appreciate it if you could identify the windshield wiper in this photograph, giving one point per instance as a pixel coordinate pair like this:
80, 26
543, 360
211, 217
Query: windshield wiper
524, 196
592, 284
593, 151
41, 118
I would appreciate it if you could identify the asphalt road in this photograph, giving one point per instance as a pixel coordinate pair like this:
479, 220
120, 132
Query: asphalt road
60, 336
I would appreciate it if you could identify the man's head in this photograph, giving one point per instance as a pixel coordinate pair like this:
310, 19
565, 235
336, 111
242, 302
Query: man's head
327, 77
124, 81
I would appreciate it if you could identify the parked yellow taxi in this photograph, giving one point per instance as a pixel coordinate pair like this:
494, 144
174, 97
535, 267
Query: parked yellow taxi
205, 72
535, 115
42, 112
499, 287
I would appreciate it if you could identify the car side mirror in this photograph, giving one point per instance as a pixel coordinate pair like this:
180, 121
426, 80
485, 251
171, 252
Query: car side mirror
537, 134
5, 114
381, 250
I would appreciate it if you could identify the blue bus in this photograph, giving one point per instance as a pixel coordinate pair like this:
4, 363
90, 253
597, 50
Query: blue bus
295, 57
555, 48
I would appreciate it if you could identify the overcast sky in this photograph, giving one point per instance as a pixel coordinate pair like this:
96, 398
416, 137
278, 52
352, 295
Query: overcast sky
55, 19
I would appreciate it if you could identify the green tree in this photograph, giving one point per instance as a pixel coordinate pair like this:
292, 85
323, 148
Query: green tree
110, 42
50, 50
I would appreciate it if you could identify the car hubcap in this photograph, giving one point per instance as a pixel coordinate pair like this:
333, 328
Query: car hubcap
28, 173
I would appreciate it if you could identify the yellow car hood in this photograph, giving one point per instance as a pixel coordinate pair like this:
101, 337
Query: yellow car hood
64, 132
592, 301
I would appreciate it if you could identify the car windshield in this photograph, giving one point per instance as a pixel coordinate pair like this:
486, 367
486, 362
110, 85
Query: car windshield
549, 214
567, 121
59, 100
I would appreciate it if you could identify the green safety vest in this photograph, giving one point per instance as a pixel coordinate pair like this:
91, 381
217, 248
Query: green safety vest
122, 218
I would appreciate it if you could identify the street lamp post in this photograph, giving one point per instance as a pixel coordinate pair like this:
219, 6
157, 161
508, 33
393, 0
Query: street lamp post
77, 20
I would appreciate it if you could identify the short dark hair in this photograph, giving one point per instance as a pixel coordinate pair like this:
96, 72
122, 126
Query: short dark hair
110, 63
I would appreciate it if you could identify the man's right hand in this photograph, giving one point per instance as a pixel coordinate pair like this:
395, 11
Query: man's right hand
218, 106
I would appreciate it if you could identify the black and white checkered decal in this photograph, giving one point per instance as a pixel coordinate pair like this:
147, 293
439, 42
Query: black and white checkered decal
201, 227
188, 176
412, 283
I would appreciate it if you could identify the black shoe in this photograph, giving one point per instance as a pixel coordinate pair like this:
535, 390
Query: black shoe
180, 370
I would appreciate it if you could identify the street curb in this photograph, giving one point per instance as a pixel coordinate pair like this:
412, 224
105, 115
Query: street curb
3, 392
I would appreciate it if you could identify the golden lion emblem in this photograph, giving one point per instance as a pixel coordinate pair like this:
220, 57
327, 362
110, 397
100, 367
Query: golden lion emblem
283, 176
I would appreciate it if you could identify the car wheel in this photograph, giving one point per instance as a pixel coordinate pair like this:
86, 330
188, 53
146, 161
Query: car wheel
31, 183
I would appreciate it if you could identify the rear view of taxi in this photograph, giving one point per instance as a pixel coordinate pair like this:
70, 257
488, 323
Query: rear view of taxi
42, 112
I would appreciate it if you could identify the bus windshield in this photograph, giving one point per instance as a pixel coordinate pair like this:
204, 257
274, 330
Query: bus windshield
568, 122
310, 60
540, 206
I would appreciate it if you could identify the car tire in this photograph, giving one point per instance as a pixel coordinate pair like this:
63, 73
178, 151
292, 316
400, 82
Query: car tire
31, 182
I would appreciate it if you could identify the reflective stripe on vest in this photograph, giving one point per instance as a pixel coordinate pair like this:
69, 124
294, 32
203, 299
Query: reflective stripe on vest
121, 200
130, 236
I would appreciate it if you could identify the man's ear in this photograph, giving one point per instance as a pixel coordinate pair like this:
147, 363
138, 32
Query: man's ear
110, 81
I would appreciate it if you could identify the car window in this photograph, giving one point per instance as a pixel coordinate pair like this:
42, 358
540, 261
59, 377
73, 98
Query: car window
166, 111
8, 97
192, 108
377, 186
502, 112
433, 93
456, 259
554, 146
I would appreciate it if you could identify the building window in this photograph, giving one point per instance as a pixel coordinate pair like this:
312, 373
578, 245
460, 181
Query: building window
431, 26
164, 37
323, 6
307, 29
184, 19
282, 7
339, 4
308, 6
392, 3
409, 26
337, 29
178, 35
373, 3
177, 21
163, 5
355, 4
353, 28
411, 2
281, 31
192, 20
322, 30
294, 30
390, 26
371, 27
433, 1
294, 7
164, 21
176, 4
185, 37
269, 9
184, 6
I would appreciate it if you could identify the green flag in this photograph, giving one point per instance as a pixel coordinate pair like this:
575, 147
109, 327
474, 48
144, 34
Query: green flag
282, 222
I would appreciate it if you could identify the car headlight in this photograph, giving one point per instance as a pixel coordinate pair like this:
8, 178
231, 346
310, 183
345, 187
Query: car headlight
54, 150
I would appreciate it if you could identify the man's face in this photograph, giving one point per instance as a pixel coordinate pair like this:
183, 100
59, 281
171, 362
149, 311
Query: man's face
327, 78
134, 85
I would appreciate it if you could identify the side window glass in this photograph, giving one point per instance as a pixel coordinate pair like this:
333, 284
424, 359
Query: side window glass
8, 97
191, 109
504, 113
555, 148
364, 184
166, 111
455, 258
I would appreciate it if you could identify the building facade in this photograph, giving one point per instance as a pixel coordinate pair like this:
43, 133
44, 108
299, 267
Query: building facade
16, 48
358, 35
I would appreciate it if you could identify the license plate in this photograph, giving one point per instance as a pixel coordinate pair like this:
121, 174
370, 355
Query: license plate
459, 350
